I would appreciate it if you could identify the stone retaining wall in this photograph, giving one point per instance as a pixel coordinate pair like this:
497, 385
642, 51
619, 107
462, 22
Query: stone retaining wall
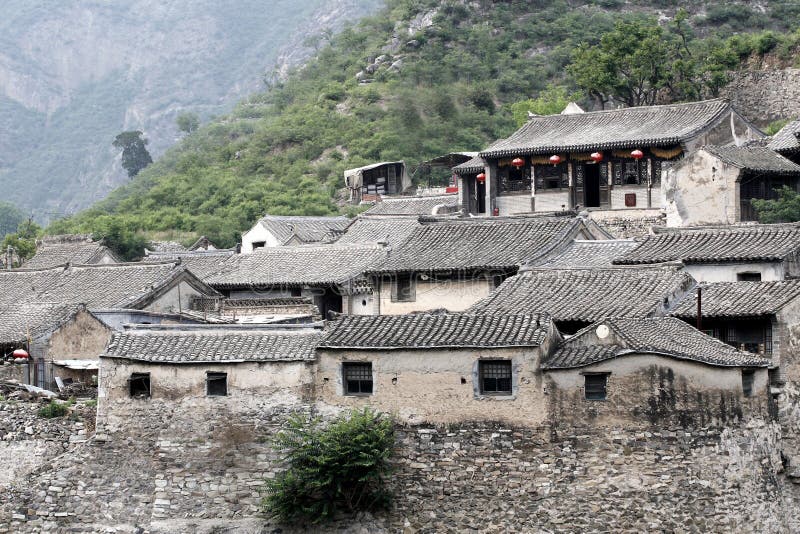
765, 95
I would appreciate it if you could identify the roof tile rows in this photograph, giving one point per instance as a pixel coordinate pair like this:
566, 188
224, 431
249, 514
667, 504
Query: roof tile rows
63, 249
740, 299
431, 331
214, 344
472, 166
311, 265
480, 244
201, 263
756, 159
620, 128
415, 205
582, 254
588, 294
761, 242
305, 229
663, 336
787, 140
21, 322
391, 230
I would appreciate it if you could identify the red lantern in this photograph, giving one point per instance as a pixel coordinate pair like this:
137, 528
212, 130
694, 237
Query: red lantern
481, 178
597, 157
637, 154
555, 159
20, 353
518, 162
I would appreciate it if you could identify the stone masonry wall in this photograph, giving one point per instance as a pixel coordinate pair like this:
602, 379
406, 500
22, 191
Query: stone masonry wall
765, 95
176, 468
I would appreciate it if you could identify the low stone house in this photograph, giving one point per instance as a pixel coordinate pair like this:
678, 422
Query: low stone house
652, 371
438, 368
574, 298
286, 230
331, 275
559, 162
452, 264
758, 317
208, 372
717, 184
76, 249
724, 254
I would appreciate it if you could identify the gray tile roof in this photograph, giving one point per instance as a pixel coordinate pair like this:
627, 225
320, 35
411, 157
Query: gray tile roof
415, 205
201, 263
431, 331
306, 229
583, 254
121, 285
480, 243
165, 246
472, 166
19, 322
664, 336
62, 249
756, 159
619, 128
393, 230
787, 140
758, 242
309, 265
740, 299
588, 294
214, 344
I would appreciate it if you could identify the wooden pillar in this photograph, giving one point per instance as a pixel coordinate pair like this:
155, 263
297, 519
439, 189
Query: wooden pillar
491, 185
571, 182
649, 182
533, 188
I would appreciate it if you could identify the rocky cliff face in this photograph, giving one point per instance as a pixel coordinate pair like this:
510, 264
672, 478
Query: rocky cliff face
75, 73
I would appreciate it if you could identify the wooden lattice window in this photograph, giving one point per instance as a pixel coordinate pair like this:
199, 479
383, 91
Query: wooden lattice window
357, 378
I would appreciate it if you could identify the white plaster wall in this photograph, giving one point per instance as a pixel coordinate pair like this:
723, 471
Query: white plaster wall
453, 295
360, 304
176, 299
618, 197
697, 375
726, 272
255, 234
511, 204
106, 259
552, 200
438, 386
701, 190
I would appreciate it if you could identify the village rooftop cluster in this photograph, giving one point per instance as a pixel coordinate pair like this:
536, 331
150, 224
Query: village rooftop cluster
566, 264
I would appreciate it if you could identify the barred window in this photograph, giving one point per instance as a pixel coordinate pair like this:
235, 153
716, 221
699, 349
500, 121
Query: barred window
595, 386
216, 384
357, 378
495, 377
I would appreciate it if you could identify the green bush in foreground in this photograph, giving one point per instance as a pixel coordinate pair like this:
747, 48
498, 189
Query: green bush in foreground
339, 467
53, 409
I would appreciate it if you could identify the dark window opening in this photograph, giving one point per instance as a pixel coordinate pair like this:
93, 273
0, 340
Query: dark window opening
748, 277
551, 176
591, 192
748, 376
495, 377
216, 384
259, 244
295, 291
139, 384
595, 386
357, 378
404, 289
513, 179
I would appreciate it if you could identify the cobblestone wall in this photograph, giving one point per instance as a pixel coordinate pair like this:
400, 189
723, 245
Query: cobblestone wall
176, 467
765, 95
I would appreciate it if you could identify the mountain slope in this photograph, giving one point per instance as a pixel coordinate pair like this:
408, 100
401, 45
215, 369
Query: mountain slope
419, 79
75, 73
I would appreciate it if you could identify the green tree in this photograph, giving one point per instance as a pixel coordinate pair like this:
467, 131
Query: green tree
786, 208
10, 218
135, 156
549, 102
24, 239
187, 121
120, 237
341, 467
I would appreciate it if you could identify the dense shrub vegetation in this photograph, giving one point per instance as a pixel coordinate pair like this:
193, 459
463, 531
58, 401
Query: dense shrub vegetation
336, 468
458, 84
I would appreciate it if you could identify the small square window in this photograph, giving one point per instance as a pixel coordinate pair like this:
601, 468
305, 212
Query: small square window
139, 385
495, 377
404, 289
357, 378
748, 376
216, 384
748, 277
595, 386
259, 244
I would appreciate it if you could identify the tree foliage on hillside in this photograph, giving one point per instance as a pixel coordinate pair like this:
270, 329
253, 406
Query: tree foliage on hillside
135, 156
786, 208
23, 241
10, 218
455, 85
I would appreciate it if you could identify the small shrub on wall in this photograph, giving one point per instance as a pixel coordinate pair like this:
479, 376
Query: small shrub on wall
336, 468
